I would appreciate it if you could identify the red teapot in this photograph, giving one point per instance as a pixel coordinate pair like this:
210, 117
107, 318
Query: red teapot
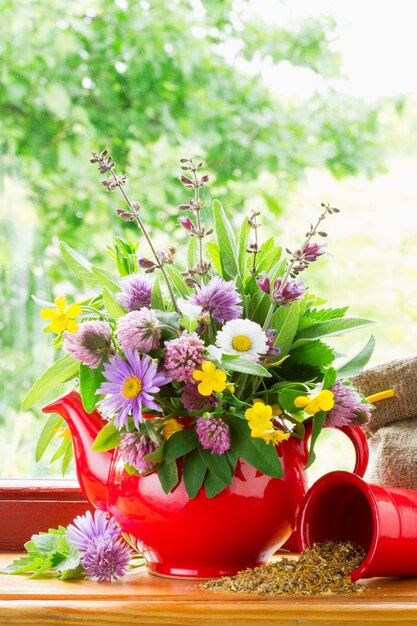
201, 537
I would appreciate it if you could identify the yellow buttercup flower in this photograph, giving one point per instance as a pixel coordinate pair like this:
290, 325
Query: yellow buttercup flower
323, 401
271, 435
62, 433
230, 388
62, 317
211, 379
170, 427
259, 415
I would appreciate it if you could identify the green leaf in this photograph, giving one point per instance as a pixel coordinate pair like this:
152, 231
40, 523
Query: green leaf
107, 439
213, 485
271, 260
312, 316
179, 444
90, 381
318, 422
106, 279
77, 263
71, 574
60, 372
232, 458
213, 252
243, 246
285, 321
314, 353
329, 378
157, 455
227, 242
51, 425
168, 475
261, 455
67, 458
178, 281
194, 471
157, 300
287, 397
331, 328
236, 363
355, 365
192, 251
61, 450
218, 465
112, 306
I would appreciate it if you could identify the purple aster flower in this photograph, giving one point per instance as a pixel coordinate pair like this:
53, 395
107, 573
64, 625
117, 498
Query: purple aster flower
136, 292
138, 330
271, 335
291, 291
133, 447
213, 434
90, 344
348, 407
104, 556
193, 400
264, 283
130, 385
218, 298
183, 355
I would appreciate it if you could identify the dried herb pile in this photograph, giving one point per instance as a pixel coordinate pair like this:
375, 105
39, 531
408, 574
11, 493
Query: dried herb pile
322, 568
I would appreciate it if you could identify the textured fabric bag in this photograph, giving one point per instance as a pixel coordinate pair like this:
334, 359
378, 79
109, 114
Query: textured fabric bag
392, 432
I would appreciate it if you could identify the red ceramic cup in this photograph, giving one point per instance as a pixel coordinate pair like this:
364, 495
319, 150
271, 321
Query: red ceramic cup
341, 506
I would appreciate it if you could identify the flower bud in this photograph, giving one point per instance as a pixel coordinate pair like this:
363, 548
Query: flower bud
186, 223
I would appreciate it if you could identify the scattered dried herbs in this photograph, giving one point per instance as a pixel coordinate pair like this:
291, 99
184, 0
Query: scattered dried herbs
322, 568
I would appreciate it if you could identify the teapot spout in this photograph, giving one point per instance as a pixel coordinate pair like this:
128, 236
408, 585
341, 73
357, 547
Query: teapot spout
92, 467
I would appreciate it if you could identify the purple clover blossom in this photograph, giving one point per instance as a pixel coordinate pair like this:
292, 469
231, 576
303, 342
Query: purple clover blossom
213, 434
219, 299
104, 556
138, 330
291, 291
134, 447
183, 355
193, 400
348, 407
90, 344
130, 385
264, 283
135, 292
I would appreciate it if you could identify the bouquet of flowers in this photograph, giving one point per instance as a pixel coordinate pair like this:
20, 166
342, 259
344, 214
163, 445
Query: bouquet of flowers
223, 356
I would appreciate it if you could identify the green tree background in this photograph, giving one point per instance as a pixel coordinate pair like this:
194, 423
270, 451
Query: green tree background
152, 81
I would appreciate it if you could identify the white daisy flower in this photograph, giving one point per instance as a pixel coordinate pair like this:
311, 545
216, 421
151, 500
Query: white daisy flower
242, 337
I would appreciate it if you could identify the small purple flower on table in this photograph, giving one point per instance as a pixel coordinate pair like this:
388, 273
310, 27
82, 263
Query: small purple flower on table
213, 434
104, 555
290, 292
348, 407
135, 292
90, 344
219, 299
130, 385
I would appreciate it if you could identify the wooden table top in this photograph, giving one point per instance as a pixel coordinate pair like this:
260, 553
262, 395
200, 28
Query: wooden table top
145, 599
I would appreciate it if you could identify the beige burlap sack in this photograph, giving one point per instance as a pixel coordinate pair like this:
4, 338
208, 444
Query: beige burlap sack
392, 432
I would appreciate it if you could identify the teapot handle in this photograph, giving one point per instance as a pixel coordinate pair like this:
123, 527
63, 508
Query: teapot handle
359, 441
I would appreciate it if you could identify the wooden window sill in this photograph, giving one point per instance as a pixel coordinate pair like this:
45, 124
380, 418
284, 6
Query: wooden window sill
146, 599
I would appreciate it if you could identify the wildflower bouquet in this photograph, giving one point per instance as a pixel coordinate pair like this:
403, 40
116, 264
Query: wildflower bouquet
219, 357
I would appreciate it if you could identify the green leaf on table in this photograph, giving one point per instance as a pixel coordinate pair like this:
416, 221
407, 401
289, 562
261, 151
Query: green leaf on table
318, 422
79, 265
218, 465
194, 471
179, 444
168, 475
107, 439
256, 451
355, 365
59, 372
226, 241
52, 424
213, 485
113, 308
90, 381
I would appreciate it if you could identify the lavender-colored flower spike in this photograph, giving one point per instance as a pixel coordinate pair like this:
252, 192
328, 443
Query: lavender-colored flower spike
213, 434
291, 291
104, 556
135, 292
312, 251
183, 355
264, 283
91, 344
133, 447
219, 299
348, 407
138, 330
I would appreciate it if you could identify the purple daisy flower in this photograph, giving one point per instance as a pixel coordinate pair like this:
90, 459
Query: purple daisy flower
90, 344
213, 434
183, 355
138, 330
133, 447
104, 556
135, 292
193, 400
291, 291
130, 385
219, 299
348, 407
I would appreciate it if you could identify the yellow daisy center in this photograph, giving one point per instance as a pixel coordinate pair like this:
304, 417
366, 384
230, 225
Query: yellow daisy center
242, 343
132, 387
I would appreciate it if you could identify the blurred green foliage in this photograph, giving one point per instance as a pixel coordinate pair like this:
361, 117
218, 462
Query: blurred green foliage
152, 81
